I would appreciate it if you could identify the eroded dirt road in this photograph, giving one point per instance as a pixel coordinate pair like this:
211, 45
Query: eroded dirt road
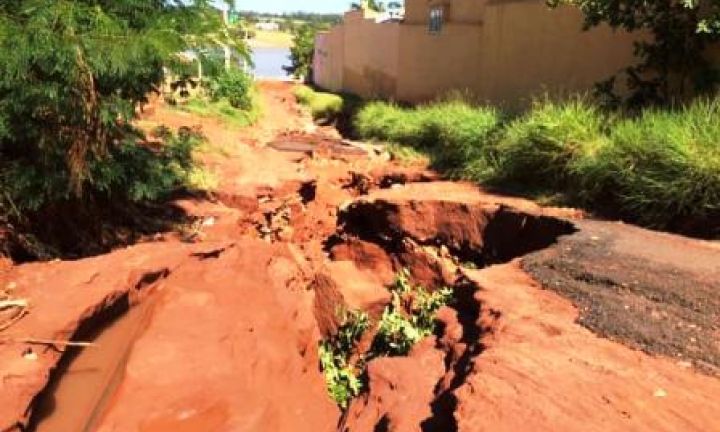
217, 329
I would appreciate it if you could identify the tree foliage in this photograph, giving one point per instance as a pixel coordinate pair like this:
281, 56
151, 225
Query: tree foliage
72, 75
302, 51
373, 5
673, 63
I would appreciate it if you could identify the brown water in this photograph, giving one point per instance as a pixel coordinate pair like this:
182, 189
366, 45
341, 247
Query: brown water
85, 382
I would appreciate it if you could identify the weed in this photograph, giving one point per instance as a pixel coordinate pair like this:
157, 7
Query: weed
408, 319
451, 132
540, 147
342, 380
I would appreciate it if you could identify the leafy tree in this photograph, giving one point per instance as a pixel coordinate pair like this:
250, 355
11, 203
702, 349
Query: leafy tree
303, 50
673, 63
372, 5
72, 75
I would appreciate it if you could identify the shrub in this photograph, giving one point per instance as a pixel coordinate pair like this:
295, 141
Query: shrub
235, 86
323, 106
540, 147
130, 171
662, 168
111, 54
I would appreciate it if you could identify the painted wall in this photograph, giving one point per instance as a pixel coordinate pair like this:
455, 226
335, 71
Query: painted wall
329, 59
371, 56
500, 51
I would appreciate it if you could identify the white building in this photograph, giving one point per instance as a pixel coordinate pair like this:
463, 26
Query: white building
268, 26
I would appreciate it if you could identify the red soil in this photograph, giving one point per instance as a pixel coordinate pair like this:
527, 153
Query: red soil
231, 344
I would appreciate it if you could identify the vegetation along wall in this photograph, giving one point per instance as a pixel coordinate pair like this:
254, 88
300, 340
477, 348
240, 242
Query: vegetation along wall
501, 51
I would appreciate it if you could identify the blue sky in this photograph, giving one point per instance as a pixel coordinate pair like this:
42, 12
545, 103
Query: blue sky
320, 6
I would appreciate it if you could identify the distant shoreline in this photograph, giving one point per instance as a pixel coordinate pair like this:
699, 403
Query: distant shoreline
271, 39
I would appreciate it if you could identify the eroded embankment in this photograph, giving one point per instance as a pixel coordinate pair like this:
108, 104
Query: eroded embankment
431, 236
232, 340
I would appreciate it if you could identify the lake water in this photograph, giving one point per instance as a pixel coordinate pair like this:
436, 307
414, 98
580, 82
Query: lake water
269, 62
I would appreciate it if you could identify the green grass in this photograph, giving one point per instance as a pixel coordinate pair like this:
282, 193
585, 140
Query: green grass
406, 155
223, 110
451, 132
323, 106
660, 169
541, 147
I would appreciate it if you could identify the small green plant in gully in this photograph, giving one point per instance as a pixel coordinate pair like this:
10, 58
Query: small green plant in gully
341, 374
408, 319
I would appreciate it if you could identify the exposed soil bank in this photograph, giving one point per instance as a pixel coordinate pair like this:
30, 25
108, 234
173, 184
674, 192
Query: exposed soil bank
292, 235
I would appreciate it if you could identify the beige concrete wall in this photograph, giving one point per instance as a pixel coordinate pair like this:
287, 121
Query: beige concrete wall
528, 49
329, 59
456, 11
431, 65
371, 56
501, 51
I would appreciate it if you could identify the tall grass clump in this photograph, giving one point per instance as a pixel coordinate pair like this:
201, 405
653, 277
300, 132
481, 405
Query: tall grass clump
452, 132
323, 106
384, 121
542, 147
662, 168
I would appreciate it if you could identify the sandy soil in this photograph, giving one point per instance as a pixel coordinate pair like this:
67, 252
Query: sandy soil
561, 325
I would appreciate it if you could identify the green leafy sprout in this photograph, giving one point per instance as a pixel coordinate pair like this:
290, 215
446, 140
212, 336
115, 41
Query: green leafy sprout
409, 318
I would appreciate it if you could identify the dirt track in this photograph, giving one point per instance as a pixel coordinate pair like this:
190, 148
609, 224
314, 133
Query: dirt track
228, 337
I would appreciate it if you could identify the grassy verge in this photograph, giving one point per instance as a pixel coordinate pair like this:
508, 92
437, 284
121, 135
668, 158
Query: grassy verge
660, 168
323, 106
339, 109
223, 110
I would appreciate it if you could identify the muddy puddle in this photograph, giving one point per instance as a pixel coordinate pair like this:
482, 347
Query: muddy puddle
83, 385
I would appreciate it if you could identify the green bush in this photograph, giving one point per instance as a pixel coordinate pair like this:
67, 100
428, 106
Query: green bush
235, 86
541, 147
323, 106
130, 171
662, 168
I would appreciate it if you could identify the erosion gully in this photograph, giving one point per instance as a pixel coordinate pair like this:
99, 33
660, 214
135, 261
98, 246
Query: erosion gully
219, 331
429, 237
